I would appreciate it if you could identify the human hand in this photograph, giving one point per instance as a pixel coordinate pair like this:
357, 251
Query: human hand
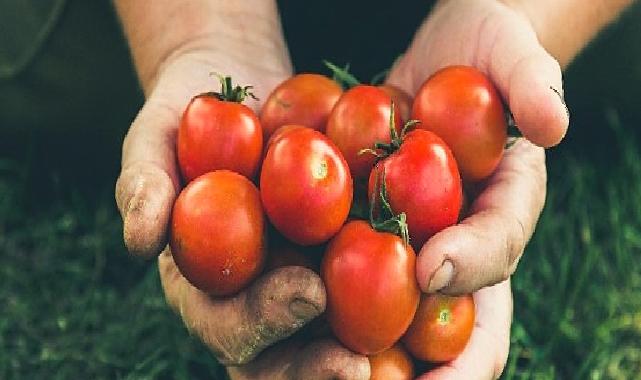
485, 247
237, 329
246, 44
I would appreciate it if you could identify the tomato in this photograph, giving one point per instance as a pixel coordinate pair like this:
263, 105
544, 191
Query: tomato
217, 232
463, 107
423, 181
391, 364
360, 119
305, 99
372, 293
401, 99
306, 187
219, 134
441, 328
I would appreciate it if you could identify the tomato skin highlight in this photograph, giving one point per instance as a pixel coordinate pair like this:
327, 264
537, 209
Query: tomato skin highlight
306, 187
391, 364
462, 106
360, 119
305, 99
215, 135
217, 232
372, 292
441, 328
423, 181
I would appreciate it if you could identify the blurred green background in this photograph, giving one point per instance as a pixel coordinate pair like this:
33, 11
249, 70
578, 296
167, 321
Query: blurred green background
73, 304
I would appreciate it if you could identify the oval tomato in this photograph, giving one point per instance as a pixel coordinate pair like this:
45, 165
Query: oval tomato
372, 293
305, 99
360, 119
391, 364
441, 328
462, 106
306, 187
217, 232
216, 134
423, 181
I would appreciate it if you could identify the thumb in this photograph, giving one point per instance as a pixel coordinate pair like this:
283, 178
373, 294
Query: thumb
148, 181
527, 76
237, 329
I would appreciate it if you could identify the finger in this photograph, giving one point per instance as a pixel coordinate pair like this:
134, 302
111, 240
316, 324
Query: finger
484, 248
327, 360
293, 359
148, 181
485, 355
236, 329
527, 76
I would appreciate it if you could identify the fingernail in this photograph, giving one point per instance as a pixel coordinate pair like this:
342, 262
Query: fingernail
442, 277
562, 98
302, 309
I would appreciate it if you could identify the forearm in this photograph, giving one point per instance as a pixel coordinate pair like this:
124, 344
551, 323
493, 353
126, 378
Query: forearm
233, 30
564, 27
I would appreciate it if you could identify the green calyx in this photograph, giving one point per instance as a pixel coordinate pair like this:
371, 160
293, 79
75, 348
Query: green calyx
342, 76
386, 221
383, 150
229, 93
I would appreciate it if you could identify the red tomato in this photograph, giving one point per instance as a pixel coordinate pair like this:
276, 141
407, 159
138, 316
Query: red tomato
306, 187
441, 328
401, 99
217, 232
372, 293
391, 364
463, 107
422, 181
360, 119
215, 134
305, 99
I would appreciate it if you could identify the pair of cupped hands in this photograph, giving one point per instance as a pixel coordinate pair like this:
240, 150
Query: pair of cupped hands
252, 331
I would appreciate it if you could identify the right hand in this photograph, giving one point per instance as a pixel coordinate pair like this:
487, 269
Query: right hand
276, 305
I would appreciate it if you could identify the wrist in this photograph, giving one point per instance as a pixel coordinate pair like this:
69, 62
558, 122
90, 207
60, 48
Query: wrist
222, 32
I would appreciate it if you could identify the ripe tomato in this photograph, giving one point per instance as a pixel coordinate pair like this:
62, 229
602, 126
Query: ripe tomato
423, 181
218, 134
441, 328
306, 187
305, 99
463, 107
391, 364
217, 232
372, 293
360, 119
401, 99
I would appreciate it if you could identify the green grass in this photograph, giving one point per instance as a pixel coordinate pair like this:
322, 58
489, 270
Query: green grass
74, 305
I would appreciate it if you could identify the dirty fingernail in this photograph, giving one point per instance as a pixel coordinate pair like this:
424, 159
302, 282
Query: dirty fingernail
302, 309
442, 277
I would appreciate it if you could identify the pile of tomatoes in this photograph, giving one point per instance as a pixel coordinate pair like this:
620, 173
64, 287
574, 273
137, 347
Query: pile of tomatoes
365, 176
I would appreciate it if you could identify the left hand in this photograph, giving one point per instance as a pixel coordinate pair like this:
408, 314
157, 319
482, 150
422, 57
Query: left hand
484, 248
